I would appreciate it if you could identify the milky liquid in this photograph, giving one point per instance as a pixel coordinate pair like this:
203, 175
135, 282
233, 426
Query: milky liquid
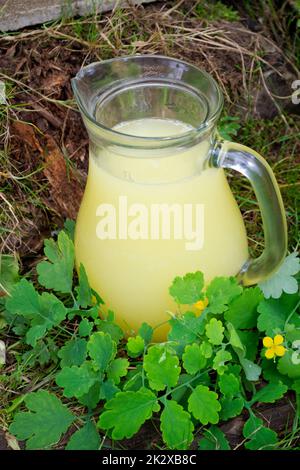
133, 275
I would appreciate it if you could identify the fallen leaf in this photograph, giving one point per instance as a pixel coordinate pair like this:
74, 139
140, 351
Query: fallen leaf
2, 353
66, 183
25, 132
54, 80
12, 441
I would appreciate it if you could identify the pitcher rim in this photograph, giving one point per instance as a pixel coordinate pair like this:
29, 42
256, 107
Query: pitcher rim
172, 140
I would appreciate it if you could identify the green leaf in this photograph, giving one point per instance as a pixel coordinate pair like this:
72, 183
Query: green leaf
92, 397
193, 359
242, 312
110, 328
214, 439
102, 349
135, 346
9, 273
73, 353
69, 228
214, 331
108, 390
269, 393
296, 386
229, 385
86, 438
204, 405
273, 314
231, 408
250, 340
42, 311
206, 349
287, 366
184, 330
176, 426
220, 359
84, 292
57, 273
85, 327
43, 353
282, 280
117, 369
161, 366
271, 373
252, 370
134, 379
146, 332
260, 437
76, 381
127, 411
187, 289
45, 422
24, 300
220, 292
228, 125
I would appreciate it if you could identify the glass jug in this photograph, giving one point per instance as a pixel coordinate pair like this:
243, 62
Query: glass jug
157, 203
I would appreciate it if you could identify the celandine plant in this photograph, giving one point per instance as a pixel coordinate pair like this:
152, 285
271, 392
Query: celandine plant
228, 349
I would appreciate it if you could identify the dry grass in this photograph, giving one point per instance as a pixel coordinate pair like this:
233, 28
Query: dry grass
237, 57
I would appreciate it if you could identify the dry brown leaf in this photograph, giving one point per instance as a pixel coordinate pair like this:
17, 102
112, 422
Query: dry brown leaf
54, 80
25, 132
12, 441
66, 185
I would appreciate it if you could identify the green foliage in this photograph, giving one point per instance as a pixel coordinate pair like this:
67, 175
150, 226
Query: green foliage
229, 385
258, 436
275, 312
214, 439
127, 411
162, 367
135, 346
76, 380
86, 438
193, 359
187, 289
43, 312
282, 280
221, 292
84, 292
57, 273
204, 405
242, 312
203, 374
214, 331
73, 353
216, 11
176, 426
44, 423
270, 393
102, 349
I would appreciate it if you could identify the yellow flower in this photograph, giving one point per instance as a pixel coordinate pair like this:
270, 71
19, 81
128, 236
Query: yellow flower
201, 305
274, 346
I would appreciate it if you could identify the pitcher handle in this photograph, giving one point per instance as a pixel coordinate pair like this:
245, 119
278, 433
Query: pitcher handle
248, 162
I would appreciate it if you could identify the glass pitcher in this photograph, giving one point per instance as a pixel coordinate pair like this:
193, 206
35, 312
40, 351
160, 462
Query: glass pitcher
157, 203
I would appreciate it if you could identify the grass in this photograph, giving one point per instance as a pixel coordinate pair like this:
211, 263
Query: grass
189, 32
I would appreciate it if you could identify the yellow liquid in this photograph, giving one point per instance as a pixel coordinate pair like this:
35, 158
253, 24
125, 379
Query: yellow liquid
133, 276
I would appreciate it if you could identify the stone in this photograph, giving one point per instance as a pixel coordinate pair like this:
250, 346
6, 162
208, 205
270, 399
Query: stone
17, 14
